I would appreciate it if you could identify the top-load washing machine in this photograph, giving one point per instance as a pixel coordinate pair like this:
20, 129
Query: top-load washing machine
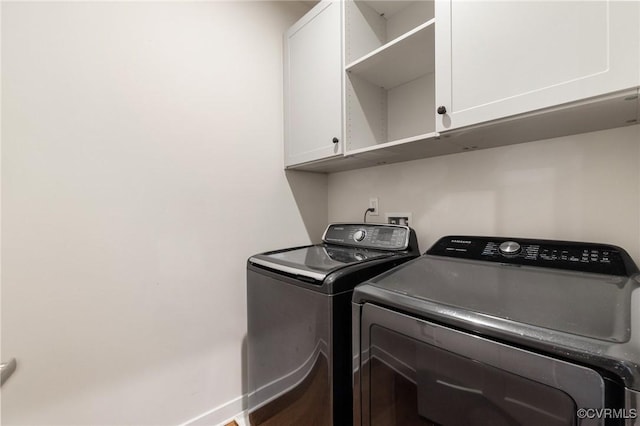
500, 331
299, 321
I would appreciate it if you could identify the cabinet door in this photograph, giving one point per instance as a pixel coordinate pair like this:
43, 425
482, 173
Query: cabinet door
313, 85
496, 59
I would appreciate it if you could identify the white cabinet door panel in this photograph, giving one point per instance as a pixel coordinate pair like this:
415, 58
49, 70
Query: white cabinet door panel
501, 58
313, 85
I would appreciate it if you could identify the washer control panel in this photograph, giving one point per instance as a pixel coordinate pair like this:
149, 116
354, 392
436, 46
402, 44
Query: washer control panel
368, 235
575, 256
359, 235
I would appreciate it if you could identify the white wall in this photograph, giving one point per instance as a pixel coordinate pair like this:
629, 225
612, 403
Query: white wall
583, 187
141, 166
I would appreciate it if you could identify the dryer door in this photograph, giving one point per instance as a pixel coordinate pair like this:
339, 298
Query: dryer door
414, 372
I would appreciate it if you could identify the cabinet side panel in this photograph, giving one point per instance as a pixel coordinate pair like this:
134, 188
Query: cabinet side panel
411, 110
365, 30
408, 18
366, 113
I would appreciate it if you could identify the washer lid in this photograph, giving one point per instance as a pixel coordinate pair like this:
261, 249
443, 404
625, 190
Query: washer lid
584, 304
315, 262
586, 317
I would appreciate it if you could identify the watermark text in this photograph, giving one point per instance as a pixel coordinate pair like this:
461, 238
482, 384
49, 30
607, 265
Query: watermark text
607, 413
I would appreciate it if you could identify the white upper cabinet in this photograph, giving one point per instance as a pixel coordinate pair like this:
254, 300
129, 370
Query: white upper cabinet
313, 86
400, 80
496, 59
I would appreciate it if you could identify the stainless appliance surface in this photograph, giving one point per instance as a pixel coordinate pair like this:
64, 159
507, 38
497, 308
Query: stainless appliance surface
315, 262
299, 321
517, 331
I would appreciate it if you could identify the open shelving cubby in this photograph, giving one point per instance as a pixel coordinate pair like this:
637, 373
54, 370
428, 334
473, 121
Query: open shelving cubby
389, 84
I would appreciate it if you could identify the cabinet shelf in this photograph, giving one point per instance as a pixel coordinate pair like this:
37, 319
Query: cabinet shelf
370, 25
395, 143
422, 146
401, 60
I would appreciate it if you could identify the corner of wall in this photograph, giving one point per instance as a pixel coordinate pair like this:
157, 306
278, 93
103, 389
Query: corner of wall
311, 193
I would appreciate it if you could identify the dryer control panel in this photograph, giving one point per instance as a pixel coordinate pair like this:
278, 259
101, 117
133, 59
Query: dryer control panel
369, 235
575, 256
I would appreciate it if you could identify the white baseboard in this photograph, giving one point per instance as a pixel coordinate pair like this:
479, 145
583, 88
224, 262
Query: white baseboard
236, 408
232, 410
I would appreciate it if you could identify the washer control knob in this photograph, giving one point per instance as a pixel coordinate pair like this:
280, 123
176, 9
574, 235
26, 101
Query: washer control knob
509, 248
359, 235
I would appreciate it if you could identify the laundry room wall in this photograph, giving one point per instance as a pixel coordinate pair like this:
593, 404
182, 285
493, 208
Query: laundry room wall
584, 187
141, 166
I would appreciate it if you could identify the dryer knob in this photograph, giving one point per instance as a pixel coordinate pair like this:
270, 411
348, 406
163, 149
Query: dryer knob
509, 248
359, 235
